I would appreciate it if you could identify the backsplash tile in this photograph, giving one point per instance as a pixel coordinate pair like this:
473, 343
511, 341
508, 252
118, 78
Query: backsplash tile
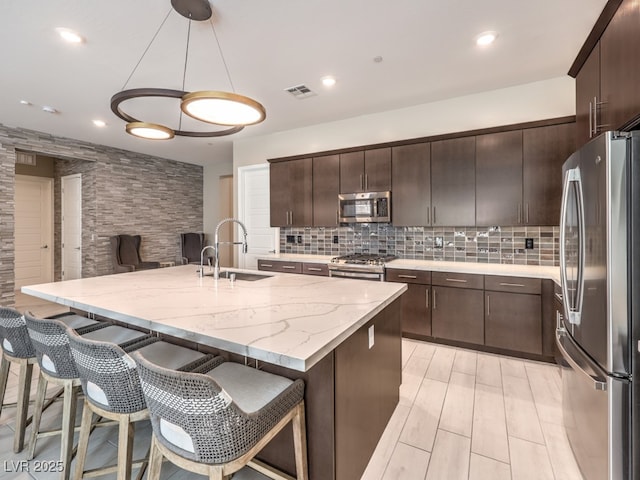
456, 244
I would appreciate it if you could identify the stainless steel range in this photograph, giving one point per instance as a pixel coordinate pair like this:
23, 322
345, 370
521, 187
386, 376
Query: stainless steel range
366, 266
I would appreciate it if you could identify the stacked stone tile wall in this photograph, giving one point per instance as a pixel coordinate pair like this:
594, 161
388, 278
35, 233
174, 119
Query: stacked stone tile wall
122, 192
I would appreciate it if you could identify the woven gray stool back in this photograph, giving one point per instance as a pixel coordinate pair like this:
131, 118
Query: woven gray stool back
109, 367
14, 337
49, 337
219, 430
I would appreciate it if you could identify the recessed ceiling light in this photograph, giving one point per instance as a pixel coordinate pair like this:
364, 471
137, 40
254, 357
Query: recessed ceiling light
69, 35
328, 81
48, 109
100, 123
486, 38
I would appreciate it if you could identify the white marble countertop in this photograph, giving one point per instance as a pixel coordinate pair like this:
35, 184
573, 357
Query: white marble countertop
286, 319
531, 271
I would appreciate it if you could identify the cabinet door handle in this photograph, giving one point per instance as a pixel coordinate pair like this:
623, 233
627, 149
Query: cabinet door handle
337, 217
595, 116
518, 213
434, 215
407, 276
526, 213
366, 182
427, 298
559, 296
457, 280
488, 305
590, 119
435, 304
314, 269
361, 182
504, 284
428, 214
288, 267
266, 265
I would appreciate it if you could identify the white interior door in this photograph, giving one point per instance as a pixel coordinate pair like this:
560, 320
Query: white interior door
33, 230
71, 227
253, 211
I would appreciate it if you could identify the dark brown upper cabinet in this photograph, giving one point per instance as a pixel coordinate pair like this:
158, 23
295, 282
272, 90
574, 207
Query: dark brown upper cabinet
411, 185
607, 93
499, 179
588, 98
620, 67
544, 151
291, 193
326, 187
453, 182
365, 171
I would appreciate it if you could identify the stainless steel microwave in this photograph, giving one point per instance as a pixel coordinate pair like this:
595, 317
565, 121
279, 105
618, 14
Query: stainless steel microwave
365, 207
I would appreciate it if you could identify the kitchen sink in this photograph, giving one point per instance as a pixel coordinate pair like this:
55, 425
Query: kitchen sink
249, 277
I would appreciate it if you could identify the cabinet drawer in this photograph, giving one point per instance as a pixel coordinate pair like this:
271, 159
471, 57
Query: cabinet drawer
315, 269
457, 280
513, 284
408, 276
280, 266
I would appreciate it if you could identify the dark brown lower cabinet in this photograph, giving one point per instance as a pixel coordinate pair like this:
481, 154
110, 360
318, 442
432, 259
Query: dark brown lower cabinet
513, 321
416, 312
457, 314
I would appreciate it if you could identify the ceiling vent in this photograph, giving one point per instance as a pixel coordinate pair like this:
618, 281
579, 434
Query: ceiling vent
26, 158
300, 91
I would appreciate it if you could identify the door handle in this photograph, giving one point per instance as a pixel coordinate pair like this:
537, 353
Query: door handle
435, 305
45, 246
488, 305
596, 383
427, 298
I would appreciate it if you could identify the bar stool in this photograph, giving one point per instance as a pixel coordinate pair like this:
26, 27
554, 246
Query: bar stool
51, 342
112, 390
213, 423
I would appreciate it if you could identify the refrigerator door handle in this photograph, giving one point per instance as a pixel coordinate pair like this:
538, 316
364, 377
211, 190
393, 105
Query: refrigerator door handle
598, 382
573, 311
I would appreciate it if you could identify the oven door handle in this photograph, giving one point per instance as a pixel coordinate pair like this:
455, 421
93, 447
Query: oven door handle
361, 275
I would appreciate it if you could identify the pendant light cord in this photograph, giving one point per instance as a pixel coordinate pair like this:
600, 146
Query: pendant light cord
224, 62
147, 49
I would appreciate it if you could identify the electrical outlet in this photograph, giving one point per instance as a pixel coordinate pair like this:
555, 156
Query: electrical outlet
528, 243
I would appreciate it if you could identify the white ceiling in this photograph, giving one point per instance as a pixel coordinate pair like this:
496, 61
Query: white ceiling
427, 47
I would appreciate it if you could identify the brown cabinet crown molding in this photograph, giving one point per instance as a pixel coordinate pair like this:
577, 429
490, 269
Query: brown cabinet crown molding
598, 29
433, 138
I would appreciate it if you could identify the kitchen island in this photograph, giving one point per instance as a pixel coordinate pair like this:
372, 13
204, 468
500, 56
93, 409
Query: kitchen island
341, 336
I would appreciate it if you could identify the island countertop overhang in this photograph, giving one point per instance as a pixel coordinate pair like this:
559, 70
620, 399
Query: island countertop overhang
288, 320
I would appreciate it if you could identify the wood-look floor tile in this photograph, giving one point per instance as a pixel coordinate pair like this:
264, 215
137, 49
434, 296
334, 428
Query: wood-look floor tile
457, 412
529, 461
465, 362
380, 458
520, 409
483, 468
407, 350
488, 370
412, 377
407, 463
450, 457
422, 424
562, 460
489, 437
441, 364
546, 395
512, 367
425, 350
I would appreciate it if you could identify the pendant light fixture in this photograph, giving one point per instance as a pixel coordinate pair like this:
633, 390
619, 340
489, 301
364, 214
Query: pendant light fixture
227, 109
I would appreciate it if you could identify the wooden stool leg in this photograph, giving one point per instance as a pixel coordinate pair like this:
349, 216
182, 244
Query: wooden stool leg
155, 460
22, 407
4, 376
215, 473
300, 443
37, 416
126, 431
68, 427
83, 441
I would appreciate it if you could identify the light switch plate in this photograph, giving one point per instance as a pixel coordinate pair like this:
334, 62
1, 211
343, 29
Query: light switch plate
371, 337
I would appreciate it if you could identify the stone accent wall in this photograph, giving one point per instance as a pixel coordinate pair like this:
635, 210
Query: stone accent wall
455, 244
122, 192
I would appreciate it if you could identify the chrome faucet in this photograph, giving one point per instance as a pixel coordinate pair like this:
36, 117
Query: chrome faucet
217, 243
202, 258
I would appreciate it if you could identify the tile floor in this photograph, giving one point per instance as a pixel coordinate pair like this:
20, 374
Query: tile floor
462, 415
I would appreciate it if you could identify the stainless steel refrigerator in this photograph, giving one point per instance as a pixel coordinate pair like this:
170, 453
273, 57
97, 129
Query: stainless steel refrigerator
598, 336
